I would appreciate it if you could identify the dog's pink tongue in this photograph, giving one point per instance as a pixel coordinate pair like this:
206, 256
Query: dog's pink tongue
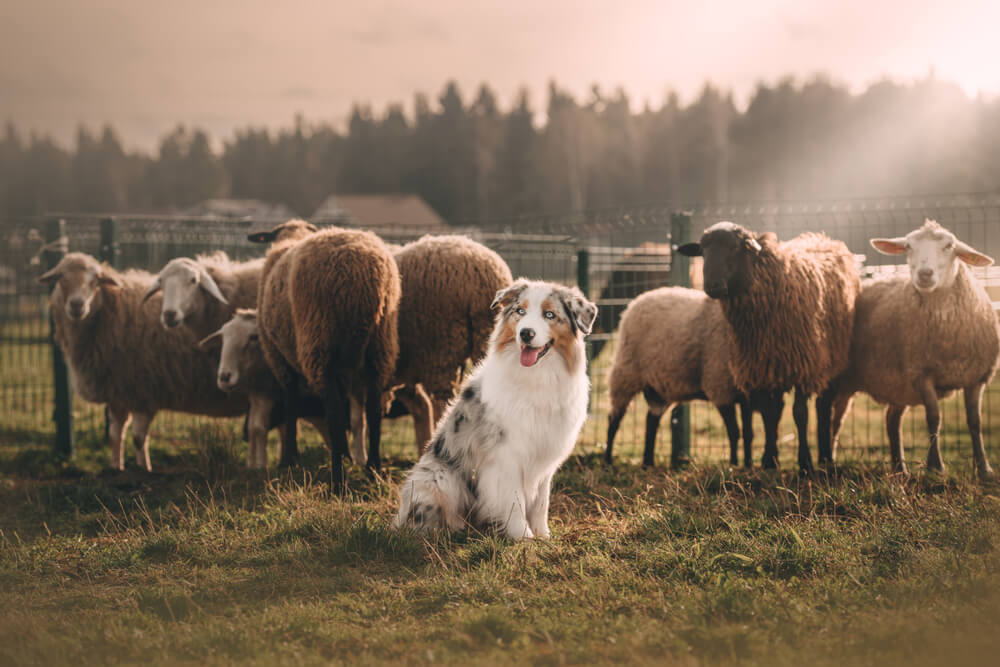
529, 355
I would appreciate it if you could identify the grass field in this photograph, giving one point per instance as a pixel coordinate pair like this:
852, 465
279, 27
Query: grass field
204, 562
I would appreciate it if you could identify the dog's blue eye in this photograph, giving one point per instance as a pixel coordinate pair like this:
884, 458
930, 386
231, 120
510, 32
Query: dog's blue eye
521, 311
549, 315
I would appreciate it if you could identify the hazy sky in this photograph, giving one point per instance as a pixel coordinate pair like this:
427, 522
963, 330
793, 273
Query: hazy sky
220, 64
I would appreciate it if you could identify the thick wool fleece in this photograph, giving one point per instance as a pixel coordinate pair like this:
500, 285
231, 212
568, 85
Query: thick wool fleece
121, 354
326, 301
901, 336
793, 326
673, 341
445, 317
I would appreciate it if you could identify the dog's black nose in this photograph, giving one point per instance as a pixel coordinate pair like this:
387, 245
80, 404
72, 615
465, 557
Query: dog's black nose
527, 335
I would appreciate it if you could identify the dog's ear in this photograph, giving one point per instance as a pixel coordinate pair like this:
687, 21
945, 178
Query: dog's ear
508, 295
582, 312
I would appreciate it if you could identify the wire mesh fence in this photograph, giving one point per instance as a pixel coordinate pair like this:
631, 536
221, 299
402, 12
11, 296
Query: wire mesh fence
613, 255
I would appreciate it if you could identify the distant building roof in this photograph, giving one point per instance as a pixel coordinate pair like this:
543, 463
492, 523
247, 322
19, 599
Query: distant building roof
254, 209
388, 210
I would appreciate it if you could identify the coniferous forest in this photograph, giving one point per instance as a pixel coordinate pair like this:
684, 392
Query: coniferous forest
474, 160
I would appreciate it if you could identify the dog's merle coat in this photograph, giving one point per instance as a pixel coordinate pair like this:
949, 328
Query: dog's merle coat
495, 450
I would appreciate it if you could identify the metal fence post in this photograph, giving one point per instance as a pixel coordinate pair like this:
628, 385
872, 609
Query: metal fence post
63, 412
680, 275
583, 282
108, 252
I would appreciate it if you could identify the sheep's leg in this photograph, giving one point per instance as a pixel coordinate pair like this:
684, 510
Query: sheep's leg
440, 405
653, 417
841, 404
746, 415
118, 420
771, 405
800, 411
728, 412
824, 426
140, 437
614, 421
973, 403
289, 439
257, 422
359, 431
419, 406
893, 421
333, 412
373, 413
933, 413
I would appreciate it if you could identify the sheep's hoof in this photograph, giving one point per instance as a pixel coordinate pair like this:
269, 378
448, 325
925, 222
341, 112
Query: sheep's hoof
769, 463
986, 475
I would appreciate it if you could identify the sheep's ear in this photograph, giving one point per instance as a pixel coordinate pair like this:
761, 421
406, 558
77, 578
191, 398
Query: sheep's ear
153, 289
263, 237
211, 340
508, 295
51, 275
108, 280
210, 286
896, 246
581, 310
690, 249
971, 256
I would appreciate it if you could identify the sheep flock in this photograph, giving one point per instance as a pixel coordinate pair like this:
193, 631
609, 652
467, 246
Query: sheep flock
335, 326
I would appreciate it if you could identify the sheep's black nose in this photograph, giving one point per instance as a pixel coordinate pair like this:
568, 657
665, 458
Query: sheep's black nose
527, 335
76, 305
224, 376
925, 274
170, 317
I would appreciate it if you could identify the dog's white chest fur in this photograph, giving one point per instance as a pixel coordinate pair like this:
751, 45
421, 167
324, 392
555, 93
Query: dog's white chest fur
494, 452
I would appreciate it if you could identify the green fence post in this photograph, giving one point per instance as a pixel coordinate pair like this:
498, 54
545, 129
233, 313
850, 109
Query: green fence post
108, 252
680, 275
63, 413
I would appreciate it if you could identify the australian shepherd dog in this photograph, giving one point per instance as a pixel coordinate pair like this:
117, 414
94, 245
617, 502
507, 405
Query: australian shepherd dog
492, 457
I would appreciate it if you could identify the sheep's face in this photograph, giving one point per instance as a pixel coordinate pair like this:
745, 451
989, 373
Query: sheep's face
186, 287
81, 280
240, 353
932, 253
728, 251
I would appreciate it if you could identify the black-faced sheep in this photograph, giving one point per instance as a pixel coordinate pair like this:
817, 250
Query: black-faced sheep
445, 320
243, 369
919, 338
327, 310
120, 355
204, 292
790, 309
672, 346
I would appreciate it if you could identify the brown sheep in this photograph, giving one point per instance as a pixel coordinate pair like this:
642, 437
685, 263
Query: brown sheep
120, 355
672, 346
328, 308
921, 337
445, 320
790, 307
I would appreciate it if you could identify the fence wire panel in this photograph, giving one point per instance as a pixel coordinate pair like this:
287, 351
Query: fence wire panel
612, 255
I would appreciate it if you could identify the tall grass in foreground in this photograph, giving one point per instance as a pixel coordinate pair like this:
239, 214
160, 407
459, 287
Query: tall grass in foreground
206, 562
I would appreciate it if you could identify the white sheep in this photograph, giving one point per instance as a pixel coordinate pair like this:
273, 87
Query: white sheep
919, 338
